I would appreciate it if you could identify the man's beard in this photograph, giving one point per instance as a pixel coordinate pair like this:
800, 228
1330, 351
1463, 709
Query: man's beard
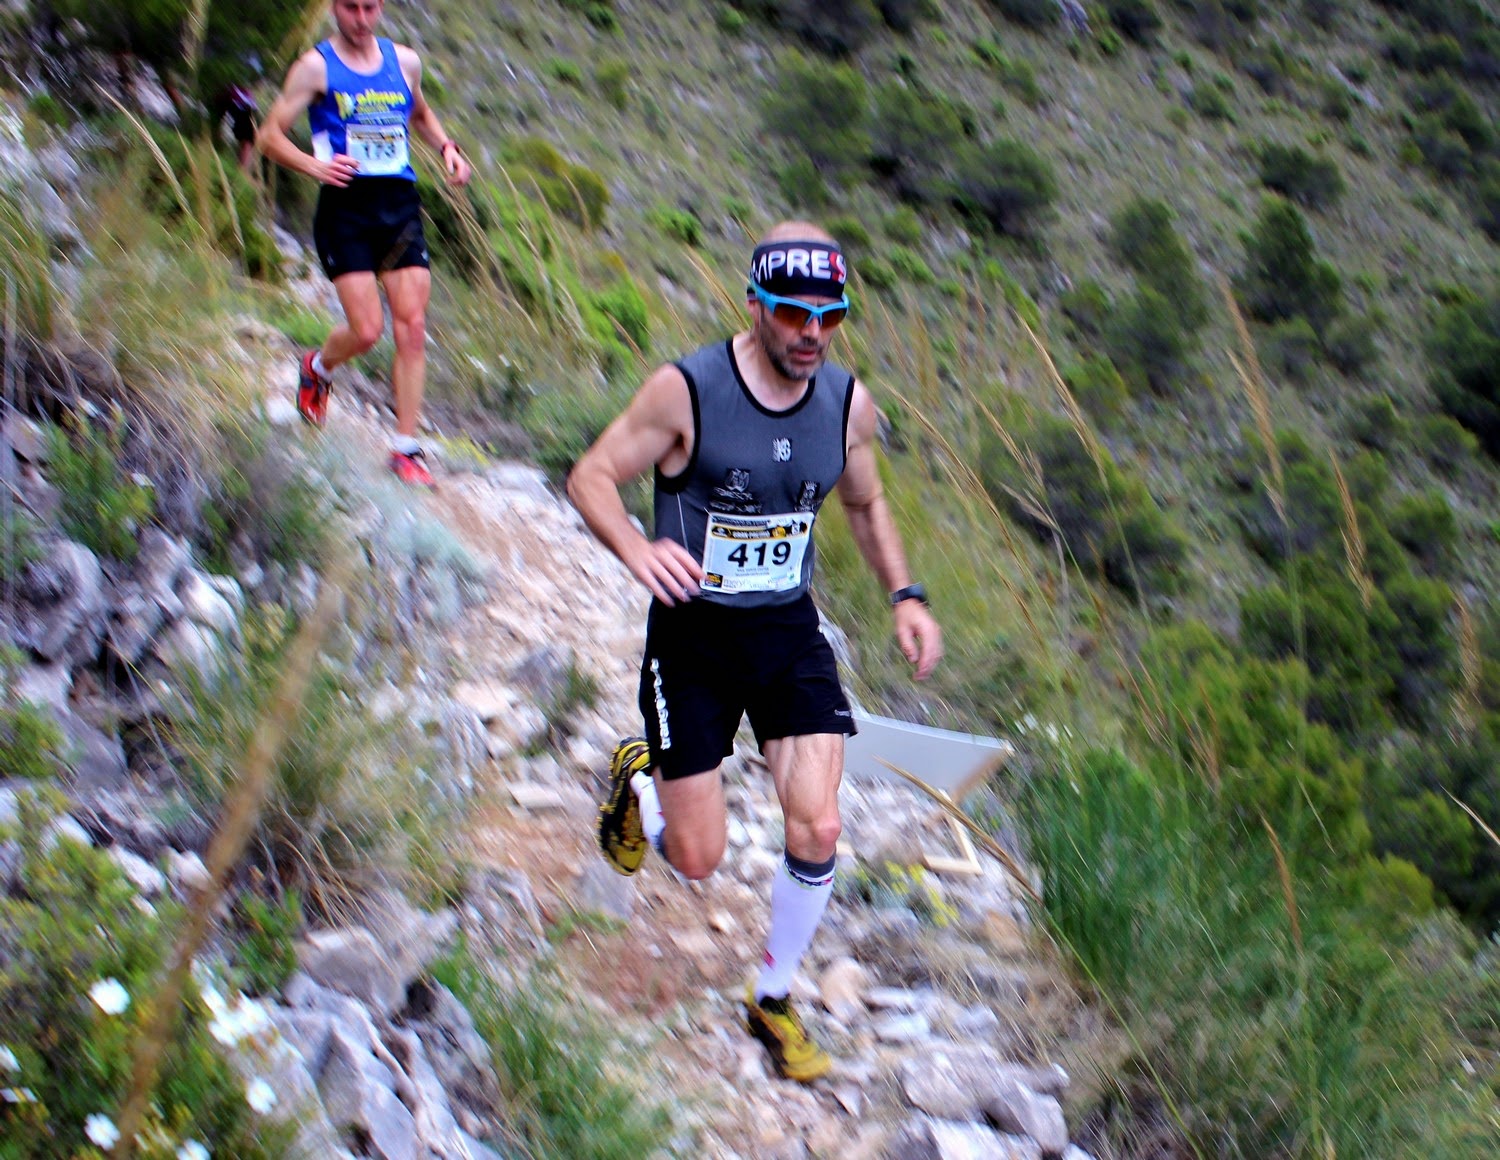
777, 358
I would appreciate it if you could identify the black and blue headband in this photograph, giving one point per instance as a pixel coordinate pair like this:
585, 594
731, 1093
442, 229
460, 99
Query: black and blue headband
805, 269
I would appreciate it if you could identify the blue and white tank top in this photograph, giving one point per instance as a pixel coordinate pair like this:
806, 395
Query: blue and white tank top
364, 115
746, 501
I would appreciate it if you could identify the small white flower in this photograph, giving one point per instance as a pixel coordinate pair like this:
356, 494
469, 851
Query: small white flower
18, 1095
101, 1130
192, 1150
8, 1059
261, 1096
111, 996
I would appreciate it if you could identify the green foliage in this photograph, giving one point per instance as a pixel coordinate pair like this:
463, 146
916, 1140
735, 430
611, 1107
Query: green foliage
564, 71
1210, 100
1007, 184
25, 264
1290, 349
1465, 351
904, 15
156, 31
1448, 445
573, 191
101, 507
74, 923
914, 137
1375, 423
909, 266
1027, 13
1335, 1007
903, 225
599, 13
612, 76
1147, 341
1015, 73
1283, 276
326, 824
681, 225
1350, 342
1300, 175
1087, 307
1426, 527
563, 425
1097, 386
18, 534
1137, 20
1144, 239
1414, 815
261, 500
266, 952
31, 741
820, 111
617, 318
1104, 516
547, 1053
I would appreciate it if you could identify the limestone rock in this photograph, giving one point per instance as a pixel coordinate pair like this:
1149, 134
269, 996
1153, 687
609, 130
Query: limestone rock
352, 962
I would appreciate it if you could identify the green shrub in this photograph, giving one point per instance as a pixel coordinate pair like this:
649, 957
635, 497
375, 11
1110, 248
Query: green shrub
1350, 342
19, 532
1009, 185
612, 76
909, 266
1376, 423
833, 27
1144, 238
573, 191
1290, 349
1087, 307
31, 742
563, 425
1210, 101
1147, 340
623, 310
1300, 175
902, 225
1027, 13
267, 954
1105, 518
327, 822
1426, 527
1015, 73
26, 264
1097, 386
680, 225
1336, 102
565, 72
821, 111
801, 182
547, 1055
905, 15
1465, 351
1448, 445
262, 500
73, 929
1283, 277
914, 134
1137, 20
101, 507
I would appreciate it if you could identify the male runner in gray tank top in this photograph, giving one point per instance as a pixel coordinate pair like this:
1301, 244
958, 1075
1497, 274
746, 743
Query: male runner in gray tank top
746, 439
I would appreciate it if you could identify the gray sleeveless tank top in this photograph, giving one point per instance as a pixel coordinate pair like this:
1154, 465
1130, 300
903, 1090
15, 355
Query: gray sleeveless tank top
745, 503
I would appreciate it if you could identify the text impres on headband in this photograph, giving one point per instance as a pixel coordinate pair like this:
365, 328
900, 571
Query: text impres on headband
814, 269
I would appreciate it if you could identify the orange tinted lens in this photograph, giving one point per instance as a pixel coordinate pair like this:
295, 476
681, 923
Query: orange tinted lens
834, 317
791, 314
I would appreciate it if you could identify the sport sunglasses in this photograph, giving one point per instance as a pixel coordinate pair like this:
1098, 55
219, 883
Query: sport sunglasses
798, 314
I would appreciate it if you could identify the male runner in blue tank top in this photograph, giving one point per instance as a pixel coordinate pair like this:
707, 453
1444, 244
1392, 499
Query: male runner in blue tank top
363, 98
746, 439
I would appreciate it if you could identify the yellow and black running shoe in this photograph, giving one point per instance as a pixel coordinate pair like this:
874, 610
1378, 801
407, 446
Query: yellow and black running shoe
619, 829
777, 1025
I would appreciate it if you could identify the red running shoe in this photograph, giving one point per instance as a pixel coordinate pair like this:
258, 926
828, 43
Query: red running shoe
411, 468
312, 392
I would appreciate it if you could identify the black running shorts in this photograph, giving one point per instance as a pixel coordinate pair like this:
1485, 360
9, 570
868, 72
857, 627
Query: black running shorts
372, 224
707, 665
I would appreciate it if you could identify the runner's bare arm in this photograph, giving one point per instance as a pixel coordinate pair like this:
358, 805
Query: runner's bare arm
917, 633
305, 82
656, 428
424, 120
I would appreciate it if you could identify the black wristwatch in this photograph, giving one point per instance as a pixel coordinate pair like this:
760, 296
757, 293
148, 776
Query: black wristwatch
910, 592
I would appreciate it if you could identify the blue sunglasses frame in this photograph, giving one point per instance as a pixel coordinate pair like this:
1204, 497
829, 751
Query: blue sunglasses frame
809, 313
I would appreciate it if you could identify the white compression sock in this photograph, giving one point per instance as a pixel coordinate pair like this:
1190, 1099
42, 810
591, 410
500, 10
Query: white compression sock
799, 895
405, 444
652, 821
318, 367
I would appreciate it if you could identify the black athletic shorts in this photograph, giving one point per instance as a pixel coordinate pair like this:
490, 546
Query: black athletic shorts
707, 665
373, 223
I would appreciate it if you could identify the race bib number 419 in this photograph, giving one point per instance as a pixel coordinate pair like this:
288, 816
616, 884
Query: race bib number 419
380, 149
755, 553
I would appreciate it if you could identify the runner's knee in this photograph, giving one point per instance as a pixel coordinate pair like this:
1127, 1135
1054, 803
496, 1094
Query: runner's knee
694, 856
410, 332
815, 838
366, 330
